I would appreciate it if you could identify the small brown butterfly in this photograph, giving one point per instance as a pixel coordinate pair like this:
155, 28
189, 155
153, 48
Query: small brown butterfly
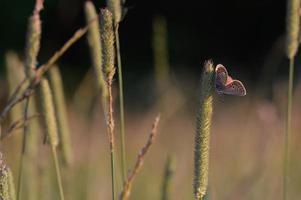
224, 84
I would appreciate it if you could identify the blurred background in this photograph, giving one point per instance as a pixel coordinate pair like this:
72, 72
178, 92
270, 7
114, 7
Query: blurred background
247, 134
239, 34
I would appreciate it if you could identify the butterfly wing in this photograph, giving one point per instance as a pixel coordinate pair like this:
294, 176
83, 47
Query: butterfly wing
221, 75
235, 88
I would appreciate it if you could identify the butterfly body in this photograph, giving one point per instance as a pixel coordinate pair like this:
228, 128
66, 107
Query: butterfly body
224, 84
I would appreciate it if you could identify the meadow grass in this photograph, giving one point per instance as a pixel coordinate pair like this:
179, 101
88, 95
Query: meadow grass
103, 39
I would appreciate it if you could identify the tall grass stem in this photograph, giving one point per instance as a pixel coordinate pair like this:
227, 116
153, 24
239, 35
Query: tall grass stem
292, 44
23, 151
288, 129
121, 107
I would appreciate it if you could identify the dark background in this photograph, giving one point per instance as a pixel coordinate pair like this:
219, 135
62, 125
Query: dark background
238, 33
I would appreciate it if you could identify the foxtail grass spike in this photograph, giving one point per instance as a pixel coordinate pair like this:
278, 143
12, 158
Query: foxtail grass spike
95, 45
48, 112
56, 85
292, 27
107, 39
33, 40
115, 6
7, 187
51, 128
202, 135
169, 170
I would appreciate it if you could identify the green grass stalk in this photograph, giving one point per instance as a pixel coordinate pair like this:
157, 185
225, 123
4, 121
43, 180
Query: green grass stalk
292, 44
202, 136
121, 107
51, 128
167, 178
56, 85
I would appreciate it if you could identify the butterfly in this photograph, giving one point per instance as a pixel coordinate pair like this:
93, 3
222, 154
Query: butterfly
224, 84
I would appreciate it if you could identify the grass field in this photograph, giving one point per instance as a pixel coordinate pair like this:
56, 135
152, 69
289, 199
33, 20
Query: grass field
184, 140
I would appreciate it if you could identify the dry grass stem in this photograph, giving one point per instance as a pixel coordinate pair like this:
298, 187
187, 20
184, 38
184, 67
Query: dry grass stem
110, 128
17, 124
111, 123
124, 195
